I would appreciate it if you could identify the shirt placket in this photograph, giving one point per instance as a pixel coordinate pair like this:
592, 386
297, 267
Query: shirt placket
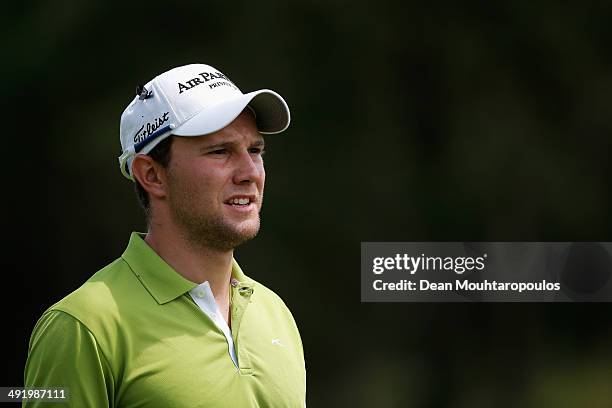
204, 299
241, 297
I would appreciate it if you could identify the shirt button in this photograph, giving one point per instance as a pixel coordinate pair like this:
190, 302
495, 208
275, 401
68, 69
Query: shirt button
200, 293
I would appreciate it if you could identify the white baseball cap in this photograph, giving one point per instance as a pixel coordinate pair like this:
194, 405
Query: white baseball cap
192, 100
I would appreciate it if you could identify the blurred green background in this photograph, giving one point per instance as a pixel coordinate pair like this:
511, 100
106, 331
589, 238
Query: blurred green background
412, 121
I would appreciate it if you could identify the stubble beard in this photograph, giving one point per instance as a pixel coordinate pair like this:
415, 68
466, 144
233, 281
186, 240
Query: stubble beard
203, 230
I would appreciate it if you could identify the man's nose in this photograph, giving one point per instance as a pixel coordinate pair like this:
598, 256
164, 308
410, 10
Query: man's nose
247, 170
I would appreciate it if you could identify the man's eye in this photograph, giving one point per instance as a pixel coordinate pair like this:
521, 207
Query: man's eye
257, 150
219, 151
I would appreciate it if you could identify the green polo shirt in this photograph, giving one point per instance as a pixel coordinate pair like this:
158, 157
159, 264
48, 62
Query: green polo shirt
131, 336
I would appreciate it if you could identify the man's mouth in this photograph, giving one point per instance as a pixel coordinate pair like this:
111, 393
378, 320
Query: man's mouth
241, 201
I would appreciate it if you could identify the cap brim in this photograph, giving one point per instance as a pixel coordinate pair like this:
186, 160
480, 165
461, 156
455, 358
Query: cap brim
271, 114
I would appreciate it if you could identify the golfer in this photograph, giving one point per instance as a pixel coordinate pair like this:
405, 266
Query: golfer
174, 321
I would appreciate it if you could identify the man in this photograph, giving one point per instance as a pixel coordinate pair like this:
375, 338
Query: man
174, 322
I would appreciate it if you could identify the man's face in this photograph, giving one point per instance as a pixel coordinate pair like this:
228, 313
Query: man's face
216, 184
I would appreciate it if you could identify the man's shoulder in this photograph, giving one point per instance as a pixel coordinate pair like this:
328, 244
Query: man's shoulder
100, 297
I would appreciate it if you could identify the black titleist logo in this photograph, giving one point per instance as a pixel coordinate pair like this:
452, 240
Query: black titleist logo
150, 127
204, 77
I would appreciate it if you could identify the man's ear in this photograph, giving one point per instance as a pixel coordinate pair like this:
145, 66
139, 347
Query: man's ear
150, 174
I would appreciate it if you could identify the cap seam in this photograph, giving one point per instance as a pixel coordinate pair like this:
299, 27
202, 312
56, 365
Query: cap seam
167, 101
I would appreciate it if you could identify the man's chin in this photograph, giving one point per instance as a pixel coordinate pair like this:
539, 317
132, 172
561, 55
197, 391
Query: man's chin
237, 235
248, 232
220, 233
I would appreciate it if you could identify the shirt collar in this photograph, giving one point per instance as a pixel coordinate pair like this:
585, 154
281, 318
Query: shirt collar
158, 278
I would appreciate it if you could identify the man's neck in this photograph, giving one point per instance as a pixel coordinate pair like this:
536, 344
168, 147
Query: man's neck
197, 264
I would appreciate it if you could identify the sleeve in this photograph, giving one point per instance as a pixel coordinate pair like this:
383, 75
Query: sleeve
64, 353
